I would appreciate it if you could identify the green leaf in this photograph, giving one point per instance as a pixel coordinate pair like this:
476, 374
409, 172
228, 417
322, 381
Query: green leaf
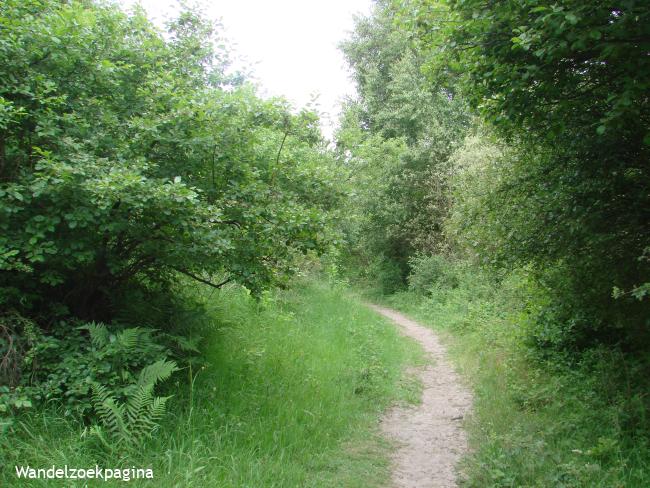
571, 18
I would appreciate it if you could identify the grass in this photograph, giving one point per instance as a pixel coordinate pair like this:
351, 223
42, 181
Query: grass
539, 420
290, 395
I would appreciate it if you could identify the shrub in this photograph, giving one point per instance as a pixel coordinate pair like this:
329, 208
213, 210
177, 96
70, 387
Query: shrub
431, 271
128, 159
66, 364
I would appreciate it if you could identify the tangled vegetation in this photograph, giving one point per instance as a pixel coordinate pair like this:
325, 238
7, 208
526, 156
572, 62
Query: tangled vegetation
129, 158
158, 218
523, 230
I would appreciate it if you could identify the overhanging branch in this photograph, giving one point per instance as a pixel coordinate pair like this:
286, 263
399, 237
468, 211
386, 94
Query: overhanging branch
202, 280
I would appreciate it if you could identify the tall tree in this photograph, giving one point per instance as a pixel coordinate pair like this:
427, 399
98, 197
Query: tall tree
421, 124
567, 84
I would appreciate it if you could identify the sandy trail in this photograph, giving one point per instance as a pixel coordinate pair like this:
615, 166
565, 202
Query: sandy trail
429, 436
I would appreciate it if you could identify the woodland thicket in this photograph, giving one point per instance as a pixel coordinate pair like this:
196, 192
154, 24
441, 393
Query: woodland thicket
515, 136
495, 161
129, 159
500, 160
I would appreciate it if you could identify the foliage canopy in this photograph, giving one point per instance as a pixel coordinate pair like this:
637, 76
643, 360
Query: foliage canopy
128, 157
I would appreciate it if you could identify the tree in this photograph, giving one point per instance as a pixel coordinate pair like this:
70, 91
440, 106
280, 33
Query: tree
400, 132
566, 86
127, 158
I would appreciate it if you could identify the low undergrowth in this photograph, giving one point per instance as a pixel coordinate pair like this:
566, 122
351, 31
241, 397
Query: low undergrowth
288, 393
541, 417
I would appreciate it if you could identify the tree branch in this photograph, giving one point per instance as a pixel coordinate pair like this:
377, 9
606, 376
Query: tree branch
277, 159
198, 278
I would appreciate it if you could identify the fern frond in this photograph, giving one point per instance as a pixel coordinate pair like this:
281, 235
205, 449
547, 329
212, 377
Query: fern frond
115, 421
158, 371
110, 413
158, 407
128, 338
98, 333
138, 402
147, 423
100, 394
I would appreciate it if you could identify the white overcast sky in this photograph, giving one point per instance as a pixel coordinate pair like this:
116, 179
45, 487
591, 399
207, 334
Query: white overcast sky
290, 44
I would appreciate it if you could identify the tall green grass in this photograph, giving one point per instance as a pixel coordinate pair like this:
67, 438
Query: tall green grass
289, 395
541, 418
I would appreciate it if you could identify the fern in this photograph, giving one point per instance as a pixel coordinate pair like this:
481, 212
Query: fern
147, 422
158, 371
130, 422
133, 339
129, 338
138, 402
99, 334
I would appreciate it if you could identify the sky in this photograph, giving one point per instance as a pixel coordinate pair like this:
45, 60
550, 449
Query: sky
291, 45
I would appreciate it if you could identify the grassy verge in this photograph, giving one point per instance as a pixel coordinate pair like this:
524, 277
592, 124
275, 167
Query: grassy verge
553, 420
289, 396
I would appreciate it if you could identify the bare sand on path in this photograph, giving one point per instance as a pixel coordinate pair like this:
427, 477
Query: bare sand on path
430, 438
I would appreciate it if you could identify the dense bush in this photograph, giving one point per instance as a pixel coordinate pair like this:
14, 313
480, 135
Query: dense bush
128, 159
566, 86
125, 157
553, 179
70, 360
429, 272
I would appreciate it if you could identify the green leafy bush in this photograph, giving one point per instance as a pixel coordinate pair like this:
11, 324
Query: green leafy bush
68, 362
565, 190
129, 160
127, 157
428, 272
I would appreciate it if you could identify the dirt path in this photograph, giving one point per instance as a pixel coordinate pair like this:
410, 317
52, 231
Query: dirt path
429, 436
